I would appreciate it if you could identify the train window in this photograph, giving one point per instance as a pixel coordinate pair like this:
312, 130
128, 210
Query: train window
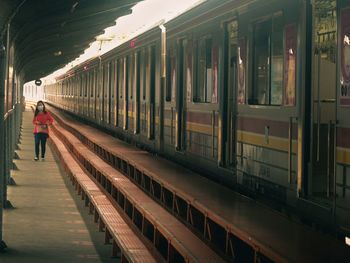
99, 81
81, 86
120, 77
116, 79
72, 86
86, 85
290, 52
171, 79
92, 75
105, 80
132, 75
143, 74
146, 68
203, 89
108, 80
241, 83
268, 62
112, 78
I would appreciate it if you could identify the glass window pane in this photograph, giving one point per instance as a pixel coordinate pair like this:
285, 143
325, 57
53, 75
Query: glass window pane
204, 89
189, 70
209, 71
202, 72
120, 78
277, 61
261, 63
144, 79
290, 51
241, 71
171, 85
92, 73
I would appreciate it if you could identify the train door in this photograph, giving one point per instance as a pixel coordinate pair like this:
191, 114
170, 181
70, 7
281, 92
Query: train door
152, 94
342, 182
126, 92
85, 100
323, 98
131, 99
104, 101
81, 94
88, 94
110, 95
95, 85
82, 99
137, 92
180, 128
115, 87
229, 111
98, 93
143, 88
120, 92
101, 92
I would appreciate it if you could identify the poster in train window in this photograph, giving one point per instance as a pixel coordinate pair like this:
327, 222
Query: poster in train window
345, 58
242, 62
290, 64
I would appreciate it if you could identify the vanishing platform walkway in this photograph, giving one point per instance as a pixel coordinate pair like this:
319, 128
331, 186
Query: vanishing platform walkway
49, 222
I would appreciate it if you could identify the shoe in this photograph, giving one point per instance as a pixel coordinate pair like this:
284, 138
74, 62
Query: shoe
43, 158
36, 158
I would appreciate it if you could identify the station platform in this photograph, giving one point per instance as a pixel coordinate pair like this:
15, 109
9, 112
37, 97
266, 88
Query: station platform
48, 223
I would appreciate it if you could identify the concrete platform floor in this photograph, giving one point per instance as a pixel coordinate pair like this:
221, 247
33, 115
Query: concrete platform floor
49, 222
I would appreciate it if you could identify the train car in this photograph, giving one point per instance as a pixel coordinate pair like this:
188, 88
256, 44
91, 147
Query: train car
252, 93
215, 112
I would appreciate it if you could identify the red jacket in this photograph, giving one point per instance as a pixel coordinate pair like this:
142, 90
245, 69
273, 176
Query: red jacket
42, 121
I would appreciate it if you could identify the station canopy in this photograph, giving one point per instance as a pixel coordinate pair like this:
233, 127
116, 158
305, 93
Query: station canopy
48, 34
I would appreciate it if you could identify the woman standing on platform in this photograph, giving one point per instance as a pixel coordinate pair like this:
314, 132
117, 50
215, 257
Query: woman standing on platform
42, 120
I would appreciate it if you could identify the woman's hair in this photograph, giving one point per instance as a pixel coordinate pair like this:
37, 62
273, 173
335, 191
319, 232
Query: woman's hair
36, 108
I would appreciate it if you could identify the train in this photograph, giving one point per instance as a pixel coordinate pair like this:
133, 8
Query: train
253, 94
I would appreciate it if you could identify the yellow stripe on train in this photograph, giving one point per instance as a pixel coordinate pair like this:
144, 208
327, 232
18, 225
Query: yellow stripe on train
343, 155
272, 142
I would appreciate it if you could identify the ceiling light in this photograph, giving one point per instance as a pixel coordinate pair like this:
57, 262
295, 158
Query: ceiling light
57, 53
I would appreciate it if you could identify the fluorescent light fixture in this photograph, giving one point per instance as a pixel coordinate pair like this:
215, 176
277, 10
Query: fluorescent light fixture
347, 241
57, 54
128, 27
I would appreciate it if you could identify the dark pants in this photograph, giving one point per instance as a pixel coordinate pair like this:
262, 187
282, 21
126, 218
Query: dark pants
40, 138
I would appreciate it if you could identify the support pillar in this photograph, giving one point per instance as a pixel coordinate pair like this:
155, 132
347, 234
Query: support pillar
7, 123
2, 140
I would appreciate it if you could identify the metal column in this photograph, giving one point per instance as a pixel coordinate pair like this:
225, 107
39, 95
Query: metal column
2, 139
